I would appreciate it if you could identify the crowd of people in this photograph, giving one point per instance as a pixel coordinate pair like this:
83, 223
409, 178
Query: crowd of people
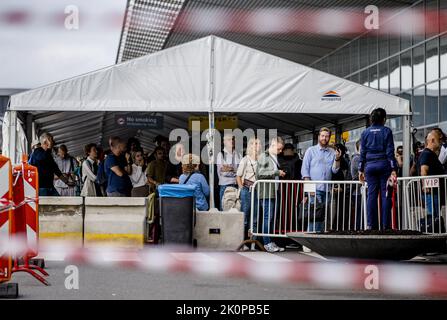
125, 170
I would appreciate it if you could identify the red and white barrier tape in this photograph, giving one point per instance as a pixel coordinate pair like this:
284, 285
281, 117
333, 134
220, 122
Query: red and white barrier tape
330, 21
351, 275
6, 205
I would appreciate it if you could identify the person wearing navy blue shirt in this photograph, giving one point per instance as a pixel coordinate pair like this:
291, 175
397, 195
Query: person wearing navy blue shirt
377, 165
43, 160
117, 168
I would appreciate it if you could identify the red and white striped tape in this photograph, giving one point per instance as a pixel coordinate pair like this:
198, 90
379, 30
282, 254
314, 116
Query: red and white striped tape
394, 278
329, 21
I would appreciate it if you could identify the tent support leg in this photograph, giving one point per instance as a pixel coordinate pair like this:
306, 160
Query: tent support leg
211, 157
29, 130
338, 133
406, 136
11, 153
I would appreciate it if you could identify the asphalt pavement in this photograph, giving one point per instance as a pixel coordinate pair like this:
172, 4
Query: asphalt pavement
100, 282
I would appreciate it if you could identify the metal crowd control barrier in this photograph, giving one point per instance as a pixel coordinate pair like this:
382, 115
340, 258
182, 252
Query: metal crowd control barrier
282, 206
423, 203
6, 206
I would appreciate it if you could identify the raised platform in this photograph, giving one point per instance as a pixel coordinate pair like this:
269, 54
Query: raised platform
374, 247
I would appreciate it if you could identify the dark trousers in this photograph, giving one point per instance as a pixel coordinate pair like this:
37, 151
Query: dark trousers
377, 174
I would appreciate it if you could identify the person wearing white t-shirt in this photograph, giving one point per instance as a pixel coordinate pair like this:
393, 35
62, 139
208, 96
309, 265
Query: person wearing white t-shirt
227, 162
140, 187
246, 177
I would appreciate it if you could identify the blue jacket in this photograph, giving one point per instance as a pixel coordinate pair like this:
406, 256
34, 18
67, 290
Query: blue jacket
202, 189
377, 144
46, 167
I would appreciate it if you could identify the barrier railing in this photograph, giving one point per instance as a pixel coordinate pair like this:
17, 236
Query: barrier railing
19, 220
282, 206
423, 203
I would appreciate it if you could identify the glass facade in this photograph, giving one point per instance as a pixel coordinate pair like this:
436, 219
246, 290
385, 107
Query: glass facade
412, 66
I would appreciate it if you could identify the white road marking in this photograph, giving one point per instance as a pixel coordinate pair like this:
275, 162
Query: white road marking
52, 256
193, 256
263, 257
314, 255
120, 257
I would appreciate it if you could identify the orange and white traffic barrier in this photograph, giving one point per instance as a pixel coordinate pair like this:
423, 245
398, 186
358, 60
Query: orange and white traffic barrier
6, 207
26, 217
25, 226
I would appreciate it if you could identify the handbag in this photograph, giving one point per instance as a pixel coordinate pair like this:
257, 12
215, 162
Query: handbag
309, 210
248, 183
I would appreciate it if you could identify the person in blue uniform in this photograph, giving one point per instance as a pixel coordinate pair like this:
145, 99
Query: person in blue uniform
377, 166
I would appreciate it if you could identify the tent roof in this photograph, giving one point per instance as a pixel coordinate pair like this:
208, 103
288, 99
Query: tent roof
209, 74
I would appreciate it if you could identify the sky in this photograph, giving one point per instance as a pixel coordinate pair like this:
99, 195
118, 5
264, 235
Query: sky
37, 47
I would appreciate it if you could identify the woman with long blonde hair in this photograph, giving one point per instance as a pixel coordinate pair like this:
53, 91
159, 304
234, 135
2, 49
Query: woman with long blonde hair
246, 177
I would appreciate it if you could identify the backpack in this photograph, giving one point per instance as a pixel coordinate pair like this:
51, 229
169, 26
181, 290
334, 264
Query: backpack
101, 177
231, 199
79, 172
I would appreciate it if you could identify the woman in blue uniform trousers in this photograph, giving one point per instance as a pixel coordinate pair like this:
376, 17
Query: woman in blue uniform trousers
377, 166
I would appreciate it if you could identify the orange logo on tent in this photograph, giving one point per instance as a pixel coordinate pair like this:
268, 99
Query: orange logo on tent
331, 94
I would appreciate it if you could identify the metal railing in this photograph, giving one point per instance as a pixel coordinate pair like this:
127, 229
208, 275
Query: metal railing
279, 207
423, 203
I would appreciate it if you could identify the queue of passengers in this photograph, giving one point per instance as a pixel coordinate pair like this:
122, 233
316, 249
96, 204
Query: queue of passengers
125, 170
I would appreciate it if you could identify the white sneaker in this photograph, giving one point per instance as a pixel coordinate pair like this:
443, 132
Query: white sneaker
245, 248
270, 248
276, 247
306, 249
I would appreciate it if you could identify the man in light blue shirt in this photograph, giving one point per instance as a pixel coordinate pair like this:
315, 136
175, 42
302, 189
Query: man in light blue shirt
319, 163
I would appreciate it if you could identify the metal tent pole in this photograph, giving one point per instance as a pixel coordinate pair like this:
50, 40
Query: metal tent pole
211, 127
211, 157
406, 136
11, 153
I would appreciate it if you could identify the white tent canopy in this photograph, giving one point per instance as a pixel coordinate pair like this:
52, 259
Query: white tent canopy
209, 74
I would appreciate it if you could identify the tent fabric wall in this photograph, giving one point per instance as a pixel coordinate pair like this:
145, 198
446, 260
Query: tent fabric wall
16, 132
